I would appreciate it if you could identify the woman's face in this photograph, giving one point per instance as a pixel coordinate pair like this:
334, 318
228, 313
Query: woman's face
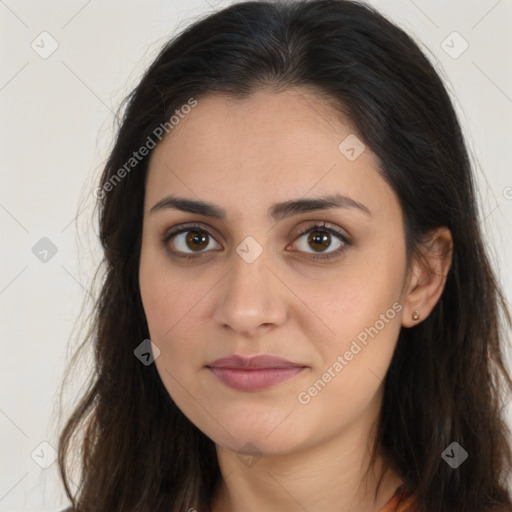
252, 285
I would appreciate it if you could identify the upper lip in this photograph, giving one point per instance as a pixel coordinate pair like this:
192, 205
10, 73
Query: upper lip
254, 362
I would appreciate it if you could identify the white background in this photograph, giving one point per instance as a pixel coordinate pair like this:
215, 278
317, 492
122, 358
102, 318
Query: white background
57, 128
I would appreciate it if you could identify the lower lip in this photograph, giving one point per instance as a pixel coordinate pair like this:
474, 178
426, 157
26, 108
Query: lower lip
254, 380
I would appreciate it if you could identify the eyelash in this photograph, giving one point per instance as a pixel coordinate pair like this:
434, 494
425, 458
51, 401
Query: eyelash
315, 227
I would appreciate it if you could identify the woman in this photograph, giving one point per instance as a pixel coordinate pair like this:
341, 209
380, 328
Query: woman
298, 312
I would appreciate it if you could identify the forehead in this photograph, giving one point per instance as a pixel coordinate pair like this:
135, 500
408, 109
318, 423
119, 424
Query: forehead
263, 149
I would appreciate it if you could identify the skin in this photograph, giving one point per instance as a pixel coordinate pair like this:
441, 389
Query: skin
244, 156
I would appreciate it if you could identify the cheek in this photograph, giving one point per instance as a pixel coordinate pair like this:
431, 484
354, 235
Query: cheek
362, 309
343, 305
373, 328
166, 295
156, 299
172, 303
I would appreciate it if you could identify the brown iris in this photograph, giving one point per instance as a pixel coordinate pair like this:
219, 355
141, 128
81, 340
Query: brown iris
197, 237
317, 238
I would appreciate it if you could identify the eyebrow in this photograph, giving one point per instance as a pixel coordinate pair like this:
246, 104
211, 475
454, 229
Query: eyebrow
277, 211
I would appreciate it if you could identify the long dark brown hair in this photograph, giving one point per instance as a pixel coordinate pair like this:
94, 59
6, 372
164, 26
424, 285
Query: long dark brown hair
447, 381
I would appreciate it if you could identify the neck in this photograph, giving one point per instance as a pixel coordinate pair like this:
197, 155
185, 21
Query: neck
331, 477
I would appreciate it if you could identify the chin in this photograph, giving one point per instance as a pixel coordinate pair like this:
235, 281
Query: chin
247, 438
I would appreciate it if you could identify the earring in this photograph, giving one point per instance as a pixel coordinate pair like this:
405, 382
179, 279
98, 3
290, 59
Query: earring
415, 315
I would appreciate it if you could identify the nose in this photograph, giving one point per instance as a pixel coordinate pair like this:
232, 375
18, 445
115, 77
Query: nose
251, 298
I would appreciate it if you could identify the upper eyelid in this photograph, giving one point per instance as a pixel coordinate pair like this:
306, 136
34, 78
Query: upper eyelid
176, 230
328, 226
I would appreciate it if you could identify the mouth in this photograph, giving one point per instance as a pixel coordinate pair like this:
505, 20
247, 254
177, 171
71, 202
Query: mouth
254, 373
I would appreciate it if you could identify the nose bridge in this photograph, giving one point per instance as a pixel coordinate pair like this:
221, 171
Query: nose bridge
250, 295
250, 262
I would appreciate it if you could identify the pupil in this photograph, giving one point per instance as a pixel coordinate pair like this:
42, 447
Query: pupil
319, 238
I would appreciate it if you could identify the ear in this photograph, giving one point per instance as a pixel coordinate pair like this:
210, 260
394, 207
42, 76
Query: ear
427, 275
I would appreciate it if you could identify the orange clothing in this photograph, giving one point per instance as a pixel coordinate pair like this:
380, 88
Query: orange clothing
399, 502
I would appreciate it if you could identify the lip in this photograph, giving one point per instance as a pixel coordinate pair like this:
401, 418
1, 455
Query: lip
263, 361
254, 373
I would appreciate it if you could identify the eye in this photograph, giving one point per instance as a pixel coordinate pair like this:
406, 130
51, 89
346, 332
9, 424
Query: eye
193, 241
189, 237
320, 239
